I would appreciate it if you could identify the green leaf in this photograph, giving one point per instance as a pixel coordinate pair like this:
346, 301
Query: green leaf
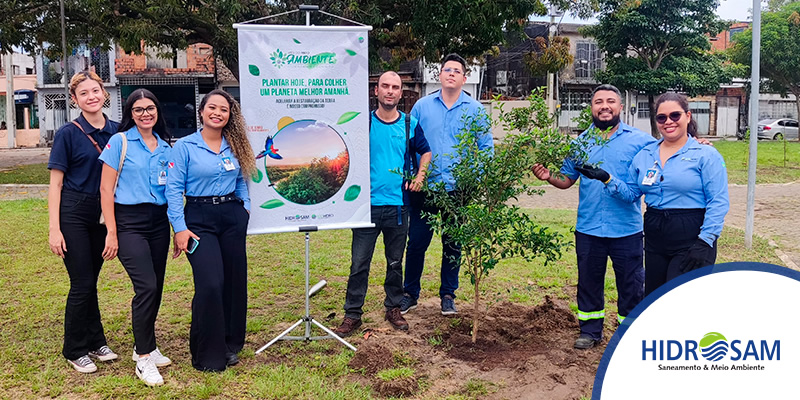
253, 70
346, 117
274, 203
258, 176
352, 193
350, 52
296, 41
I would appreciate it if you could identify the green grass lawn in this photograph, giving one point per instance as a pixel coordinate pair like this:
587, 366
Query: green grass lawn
774, 166
26, 174
35, 286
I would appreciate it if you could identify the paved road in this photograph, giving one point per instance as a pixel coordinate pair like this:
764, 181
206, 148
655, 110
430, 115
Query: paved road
23, 156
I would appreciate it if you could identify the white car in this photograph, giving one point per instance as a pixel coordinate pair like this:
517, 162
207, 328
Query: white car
778, 128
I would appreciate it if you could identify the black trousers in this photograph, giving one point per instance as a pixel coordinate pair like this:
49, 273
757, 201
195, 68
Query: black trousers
392, 221
85, 239
143, 236
668, 234
219, 265
593, 253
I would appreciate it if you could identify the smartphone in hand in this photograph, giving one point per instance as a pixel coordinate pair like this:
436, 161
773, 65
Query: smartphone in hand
192, 246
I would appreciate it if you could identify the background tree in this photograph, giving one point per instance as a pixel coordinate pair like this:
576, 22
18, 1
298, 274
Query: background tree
780, 51
654, 46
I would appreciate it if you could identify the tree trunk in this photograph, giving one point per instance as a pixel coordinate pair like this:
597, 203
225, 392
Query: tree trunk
476, 312
652, 105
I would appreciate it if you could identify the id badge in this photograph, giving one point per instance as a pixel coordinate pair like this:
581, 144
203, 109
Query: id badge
650, 177
162, 177
228, 164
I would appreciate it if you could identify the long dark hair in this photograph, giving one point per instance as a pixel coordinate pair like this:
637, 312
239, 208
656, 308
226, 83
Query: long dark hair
684, 103
235, 131
127, 114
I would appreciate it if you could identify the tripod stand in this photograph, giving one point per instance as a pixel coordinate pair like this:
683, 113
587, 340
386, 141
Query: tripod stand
307, 319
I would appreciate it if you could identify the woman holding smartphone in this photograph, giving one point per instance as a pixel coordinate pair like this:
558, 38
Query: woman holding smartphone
76, 234
685, 187
135, 209
209, 167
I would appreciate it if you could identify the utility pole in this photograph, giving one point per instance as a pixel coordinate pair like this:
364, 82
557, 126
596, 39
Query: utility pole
65, 66
11, 114
755, 81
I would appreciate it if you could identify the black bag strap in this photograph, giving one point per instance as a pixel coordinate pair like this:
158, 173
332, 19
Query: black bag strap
411, 158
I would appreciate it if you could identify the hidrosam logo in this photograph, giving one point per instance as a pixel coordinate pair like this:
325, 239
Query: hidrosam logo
713, 346
279, 59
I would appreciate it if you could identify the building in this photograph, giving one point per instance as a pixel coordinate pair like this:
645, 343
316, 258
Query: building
23, 68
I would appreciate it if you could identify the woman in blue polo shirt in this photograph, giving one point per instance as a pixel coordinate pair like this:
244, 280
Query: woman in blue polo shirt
76, 234
209, 167
135, 210
685, 187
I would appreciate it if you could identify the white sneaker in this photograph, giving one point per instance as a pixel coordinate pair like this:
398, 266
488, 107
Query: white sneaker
159, 359
147, 371
83, 365
103, 354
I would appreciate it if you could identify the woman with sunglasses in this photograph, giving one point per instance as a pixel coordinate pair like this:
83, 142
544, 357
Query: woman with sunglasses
685, 187
209, 168
76, 234
135, 209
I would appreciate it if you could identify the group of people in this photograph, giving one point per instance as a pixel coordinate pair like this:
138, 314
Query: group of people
115, 188
685, 188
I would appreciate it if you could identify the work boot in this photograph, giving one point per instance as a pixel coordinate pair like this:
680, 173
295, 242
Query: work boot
585, 341
348, 327
395, 317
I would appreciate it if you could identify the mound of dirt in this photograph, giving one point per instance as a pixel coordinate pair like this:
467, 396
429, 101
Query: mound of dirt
398, 387
372, 356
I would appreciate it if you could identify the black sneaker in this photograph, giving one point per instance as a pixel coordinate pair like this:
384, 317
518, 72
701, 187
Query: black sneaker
348, 327
231, 359
586, 342
448, 305
407, 303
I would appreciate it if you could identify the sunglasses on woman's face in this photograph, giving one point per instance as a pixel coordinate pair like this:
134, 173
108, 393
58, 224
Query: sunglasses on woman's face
675, 116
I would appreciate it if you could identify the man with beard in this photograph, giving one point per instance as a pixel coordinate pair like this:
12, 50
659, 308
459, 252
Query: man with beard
606, 227
394, 137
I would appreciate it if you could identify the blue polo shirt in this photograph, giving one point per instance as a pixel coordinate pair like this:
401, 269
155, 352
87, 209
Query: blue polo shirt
442, 126
196, 170
139, 180
387, 157
693, 177
75, 155
599, 213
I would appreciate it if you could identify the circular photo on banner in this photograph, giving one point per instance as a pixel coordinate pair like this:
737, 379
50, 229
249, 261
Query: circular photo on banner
721, 332
306, 161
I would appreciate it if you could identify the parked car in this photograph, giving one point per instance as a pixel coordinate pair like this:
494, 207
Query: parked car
778, 128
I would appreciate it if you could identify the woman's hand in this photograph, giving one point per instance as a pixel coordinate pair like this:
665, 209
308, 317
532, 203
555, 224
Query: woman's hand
57, 244
112, 245
181, 241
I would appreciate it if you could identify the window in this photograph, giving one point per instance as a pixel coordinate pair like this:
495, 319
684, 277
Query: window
587, 59
734, 31
791, 124
16, 69
29, 71
643, 110
575, 100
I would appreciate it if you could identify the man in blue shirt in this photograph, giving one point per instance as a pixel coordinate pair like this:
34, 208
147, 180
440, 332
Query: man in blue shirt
443, 115
606, 226
394, 137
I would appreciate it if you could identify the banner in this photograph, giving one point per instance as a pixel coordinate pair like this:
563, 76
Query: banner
304, 95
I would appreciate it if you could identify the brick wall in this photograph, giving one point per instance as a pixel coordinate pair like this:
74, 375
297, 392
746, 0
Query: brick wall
199, 59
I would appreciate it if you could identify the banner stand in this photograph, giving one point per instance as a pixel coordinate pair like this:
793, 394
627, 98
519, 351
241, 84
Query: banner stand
307, 319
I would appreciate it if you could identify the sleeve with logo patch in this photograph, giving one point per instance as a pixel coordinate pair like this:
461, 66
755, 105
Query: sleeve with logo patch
176, 186
112, 151
715, 187
626, 189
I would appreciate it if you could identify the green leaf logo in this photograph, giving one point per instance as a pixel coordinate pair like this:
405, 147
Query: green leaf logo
274, 203
257, 176
346, 117
278, 58
352, 193
253, 70
350, 52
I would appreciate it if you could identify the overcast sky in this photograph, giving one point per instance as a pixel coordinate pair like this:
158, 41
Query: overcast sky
738, 10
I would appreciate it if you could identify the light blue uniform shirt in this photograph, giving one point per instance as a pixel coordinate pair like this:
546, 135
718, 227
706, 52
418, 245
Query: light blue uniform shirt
694, 177
197, 171
599, 213
442, 125
144, 174
387, 157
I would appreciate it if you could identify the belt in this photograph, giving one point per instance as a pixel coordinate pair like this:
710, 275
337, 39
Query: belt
212, 199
